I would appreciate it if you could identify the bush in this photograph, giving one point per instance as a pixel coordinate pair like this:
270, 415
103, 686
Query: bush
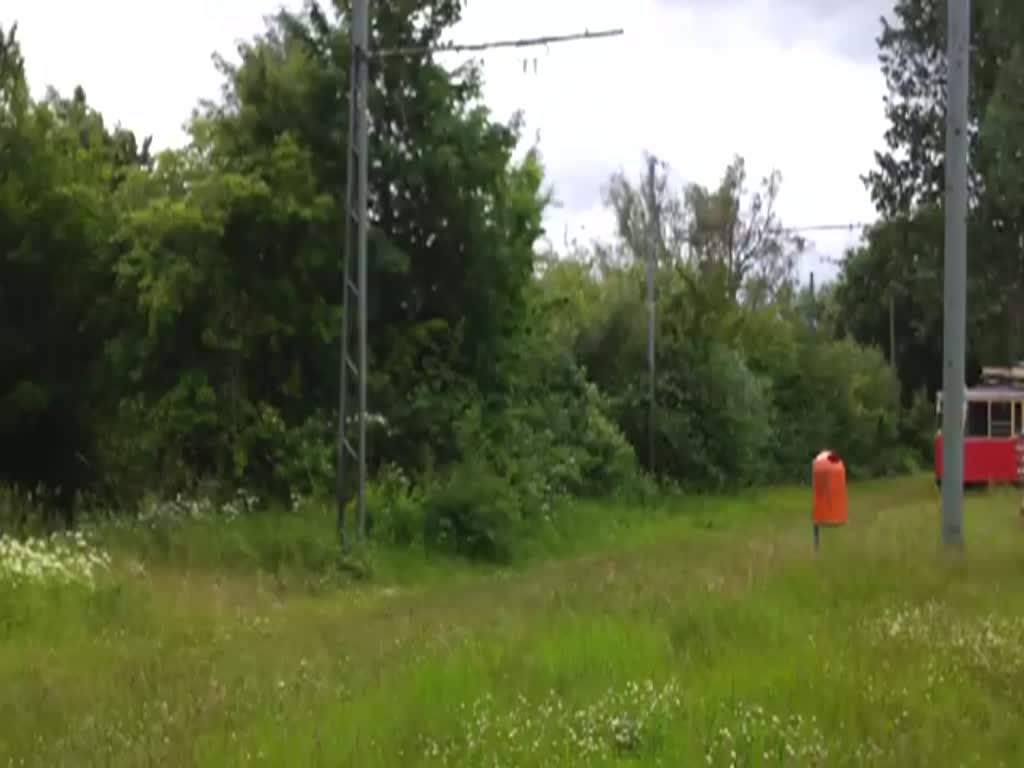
607, 461
171, 445
395, 508
26, 513
550, 442
715, 420
737, 420
474, 514
917, 428
842, 396
518, 459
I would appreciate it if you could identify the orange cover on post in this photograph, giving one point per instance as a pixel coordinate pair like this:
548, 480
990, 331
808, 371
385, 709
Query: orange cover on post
828, 478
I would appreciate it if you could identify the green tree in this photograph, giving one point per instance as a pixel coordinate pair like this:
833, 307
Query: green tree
903, 257
714, 418
739, 235
58, 165
231, 253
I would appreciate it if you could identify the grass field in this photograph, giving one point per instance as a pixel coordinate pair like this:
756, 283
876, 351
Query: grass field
704, 632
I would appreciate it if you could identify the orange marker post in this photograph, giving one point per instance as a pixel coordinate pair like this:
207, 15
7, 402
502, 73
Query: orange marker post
828, 481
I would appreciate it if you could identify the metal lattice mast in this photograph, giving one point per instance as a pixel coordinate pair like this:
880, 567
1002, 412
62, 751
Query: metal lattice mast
352, 420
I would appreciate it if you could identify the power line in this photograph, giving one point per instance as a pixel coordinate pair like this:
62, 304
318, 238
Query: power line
849, 226
524, 42
835, 227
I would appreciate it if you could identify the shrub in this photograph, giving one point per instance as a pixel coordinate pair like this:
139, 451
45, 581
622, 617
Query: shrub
395, 508
917, 427
715, 420
474, 513
24, 512
737, 420
556, 443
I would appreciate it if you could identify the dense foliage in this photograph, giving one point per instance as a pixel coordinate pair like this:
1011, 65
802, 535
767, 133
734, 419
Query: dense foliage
173, 319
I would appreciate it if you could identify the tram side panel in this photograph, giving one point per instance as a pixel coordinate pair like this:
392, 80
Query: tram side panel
986, 460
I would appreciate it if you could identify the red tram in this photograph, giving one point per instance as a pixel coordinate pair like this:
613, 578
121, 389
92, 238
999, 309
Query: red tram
993, 425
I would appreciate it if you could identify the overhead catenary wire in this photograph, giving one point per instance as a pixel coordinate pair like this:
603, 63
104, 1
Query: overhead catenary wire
849, 226
522, 42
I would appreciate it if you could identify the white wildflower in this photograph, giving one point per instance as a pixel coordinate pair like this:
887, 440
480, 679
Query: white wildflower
64, 558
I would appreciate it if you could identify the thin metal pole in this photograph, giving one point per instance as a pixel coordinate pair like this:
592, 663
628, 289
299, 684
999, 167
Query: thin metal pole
652, 261
892, 330
814, 308
955, 314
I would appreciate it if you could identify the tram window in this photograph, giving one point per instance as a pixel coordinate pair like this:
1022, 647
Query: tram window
977, 419
1019, 419
1002, 415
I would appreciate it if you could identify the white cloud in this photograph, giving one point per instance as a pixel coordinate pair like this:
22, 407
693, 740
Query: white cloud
692, 81
144, 64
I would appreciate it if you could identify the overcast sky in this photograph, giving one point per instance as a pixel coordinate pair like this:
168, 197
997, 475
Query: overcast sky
791, 84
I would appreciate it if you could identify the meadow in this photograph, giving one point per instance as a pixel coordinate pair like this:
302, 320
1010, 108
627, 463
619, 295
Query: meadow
694, 631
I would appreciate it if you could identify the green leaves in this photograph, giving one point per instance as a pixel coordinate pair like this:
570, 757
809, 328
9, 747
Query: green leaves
230, 250
57, 167
13, 86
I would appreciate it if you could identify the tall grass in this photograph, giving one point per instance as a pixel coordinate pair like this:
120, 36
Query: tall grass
698, 632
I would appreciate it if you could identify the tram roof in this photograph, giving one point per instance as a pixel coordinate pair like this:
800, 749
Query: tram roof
998, 384
995, 393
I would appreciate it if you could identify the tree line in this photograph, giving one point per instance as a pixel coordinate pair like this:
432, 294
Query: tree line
902, 257
171, 319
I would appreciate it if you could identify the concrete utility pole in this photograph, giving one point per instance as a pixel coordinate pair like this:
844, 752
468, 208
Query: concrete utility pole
954, 329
